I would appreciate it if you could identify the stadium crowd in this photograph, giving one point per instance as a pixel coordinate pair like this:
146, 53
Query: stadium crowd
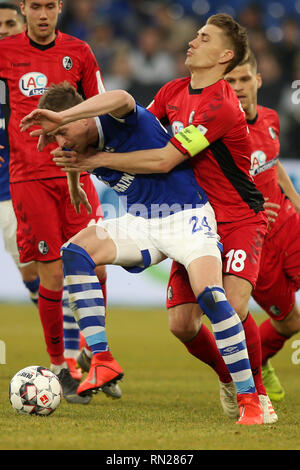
141, 44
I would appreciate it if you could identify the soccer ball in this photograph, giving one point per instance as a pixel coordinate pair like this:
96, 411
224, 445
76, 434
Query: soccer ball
35, 390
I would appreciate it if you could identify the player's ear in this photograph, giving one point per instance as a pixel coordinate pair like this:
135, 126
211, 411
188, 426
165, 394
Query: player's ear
259, 80
226, 56
22, 8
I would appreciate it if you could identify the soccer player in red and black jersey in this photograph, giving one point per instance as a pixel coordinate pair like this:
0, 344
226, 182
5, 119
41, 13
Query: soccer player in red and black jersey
211, 130
279, 275
29, 63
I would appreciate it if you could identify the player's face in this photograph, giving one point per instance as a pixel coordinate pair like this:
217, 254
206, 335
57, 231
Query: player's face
73, 136
245, 82
207, 49
10, 23
42, 17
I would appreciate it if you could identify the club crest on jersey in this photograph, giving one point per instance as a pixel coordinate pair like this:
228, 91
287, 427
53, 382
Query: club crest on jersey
67, 62
43, 247
33, 84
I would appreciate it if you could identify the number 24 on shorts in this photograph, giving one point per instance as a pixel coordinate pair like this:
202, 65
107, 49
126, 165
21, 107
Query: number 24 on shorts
236, 260
198, 224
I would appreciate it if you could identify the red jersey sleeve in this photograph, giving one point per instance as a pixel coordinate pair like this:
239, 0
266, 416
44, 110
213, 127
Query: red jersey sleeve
157, 106
91, 81
211, 121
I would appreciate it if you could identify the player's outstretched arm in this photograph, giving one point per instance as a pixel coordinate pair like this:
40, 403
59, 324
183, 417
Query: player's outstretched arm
160, 160
116, 102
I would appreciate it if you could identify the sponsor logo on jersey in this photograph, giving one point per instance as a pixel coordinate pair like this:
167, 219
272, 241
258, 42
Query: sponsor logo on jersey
258, 158
67, 62
259, 162
33, 84
177, 126
43, 247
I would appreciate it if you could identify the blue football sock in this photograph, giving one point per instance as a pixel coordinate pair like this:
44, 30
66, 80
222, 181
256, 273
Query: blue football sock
71, 329
33, 287
85, 296
230, 337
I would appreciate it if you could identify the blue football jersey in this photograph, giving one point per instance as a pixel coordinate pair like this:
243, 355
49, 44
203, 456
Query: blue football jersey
4, 176
146, 195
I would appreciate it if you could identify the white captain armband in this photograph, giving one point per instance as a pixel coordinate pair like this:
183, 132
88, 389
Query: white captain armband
192, 139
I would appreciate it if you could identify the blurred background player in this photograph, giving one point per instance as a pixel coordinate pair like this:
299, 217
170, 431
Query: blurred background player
220, 148
12, 22
279, 275
39, 191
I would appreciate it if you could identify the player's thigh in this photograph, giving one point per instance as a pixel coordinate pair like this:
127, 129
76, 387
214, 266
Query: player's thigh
133, 245
38, 207
238, 292
189, 235
242, 248
96, 241
74, 222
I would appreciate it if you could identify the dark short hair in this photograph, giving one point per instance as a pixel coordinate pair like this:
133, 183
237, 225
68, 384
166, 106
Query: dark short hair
60, 97
11, 6
250, 59
236, 35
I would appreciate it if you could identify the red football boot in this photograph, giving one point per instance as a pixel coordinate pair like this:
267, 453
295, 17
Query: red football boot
103, 371
250, 409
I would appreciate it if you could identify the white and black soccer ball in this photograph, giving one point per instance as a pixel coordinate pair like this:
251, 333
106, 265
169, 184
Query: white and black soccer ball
35, 390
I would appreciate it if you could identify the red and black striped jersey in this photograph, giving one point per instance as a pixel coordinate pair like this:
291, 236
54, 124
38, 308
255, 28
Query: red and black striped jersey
216, 136
28, 69
265, 149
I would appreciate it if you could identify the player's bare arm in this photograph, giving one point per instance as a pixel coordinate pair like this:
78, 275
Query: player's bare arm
117, 102
160, 160
77, 193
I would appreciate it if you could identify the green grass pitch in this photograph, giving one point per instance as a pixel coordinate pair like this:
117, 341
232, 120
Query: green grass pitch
170, 400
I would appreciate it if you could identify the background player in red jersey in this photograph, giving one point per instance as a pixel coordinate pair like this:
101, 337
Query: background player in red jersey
210, 126
12, 22
29, 63
279, 275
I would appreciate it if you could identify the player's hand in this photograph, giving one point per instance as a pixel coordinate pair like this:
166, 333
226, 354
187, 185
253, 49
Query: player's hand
70, 161
48, 120
44, 140
78, 196
271, 209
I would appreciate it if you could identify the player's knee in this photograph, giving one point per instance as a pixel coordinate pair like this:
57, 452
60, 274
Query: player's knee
185, 321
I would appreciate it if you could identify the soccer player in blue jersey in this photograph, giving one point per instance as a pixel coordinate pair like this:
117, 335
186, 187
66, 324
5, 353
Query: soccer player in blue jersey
166, 216
11, 22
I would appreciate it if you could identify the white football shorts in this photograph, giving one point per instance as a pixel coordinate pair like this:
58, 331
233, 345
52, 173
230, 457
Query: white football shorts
184, 236
8, 225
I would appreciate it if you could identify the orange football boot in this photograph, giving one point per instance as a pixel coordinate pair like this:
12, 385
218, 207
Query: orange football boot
103, 371
250, 409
